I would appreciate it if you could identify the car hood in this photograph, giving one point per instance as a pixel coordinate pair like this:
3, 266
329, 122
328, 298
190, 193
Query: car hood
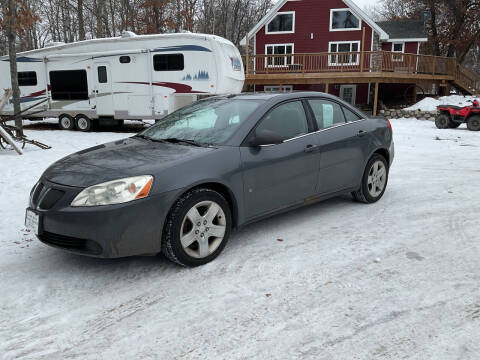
119, 159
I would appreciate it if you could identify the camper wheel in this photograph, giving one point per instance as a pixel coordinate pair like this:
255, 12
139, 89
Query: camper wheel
66, 122
83, 123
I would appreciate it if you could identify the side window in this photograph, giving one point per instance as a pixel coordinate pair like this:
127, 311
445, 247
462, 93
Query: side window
350, 116
327, 113
168, 62
102, 74
124, 59
287, 120
27, 78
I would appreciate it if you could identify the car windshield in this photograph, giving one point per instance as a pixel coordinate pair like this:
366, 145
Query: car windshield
210, 121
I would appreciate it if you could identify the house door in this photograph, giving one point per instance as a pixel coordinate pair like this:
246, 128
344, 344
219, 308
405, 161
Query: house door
348, 93
103, 90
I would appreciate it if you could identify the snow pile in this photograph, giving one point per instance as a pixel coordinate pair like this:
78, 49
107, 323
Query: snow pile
430, 103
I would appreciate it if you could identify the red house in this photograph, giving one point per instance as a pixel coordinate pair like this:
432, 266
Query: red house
330, 26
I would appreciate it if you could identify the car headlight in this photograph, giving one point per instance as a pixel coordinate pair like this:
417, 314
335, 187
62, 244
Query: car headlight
115, 192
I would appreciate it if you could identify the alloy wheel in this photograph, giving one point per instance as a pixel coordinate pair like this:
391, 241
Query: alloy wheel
203, 229
377, 178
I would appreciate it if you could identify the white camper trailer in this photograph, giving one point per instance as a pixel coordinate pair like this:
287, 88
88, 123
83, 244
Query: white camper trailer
129, 77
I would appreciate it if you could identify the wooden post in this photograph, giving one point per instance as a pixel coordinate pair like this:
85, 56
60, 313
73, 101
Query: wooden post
326, 88
246, 54
363, 49
415, 93
375, 101
434, 65
281, 87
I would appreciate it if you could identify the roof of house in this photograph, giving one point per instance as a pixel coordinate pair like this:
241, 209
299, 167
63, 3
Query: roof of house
353, 7
404, 29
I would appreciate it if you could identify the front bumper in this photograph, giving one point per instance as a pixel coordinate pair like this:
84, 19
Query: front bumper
133, 228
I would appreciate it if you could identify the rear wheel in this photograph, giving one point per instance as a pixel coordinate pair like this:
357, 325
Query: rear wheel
443, 121
473, 123
374, 181
197, 228
83, 123
66, 122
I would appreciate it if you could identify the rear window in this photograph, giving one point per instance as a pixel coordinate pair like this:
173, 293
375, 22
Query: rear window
327, 113
168, 62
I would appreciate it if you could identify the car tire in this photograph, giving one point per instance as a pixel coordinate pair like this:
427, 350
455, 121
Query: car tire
443, 121
473, 123
66, 122
374, 180
188, 236
83, 123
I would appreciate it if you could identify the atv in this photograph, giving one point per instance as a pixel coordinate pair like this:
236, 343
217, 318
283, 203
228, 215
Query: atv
450, 116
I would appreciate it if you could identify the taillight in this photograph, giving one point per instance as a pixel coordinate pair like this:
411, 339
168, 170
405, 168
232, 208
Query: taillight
389, 125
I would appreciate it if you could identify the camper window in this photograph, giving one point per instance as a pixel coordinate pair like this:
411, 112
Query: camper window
124, 59
168, 62
69, 85
102, 74
27, 78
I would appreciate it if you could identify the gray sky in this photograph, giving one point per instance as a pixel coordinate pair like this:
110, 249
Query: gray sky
363, 3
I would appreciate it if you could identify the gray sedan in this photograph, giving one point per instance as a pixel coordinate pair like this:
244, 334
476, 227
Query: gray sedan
181, 186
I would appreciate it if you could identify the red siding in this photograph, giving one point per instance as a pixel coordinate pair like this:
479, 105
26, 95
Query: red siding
312, 16
411, 47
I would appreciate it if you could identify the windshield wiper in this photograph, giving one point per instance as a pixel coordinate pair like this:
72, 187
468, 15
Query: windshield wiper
149, 138
186, 141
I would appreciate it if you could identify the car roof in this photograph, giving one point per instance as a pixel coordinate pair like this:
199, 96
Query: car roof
280, 96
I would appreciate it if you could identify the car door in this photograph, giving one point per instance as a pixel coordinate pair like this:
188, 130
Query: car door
277, 176
342, 142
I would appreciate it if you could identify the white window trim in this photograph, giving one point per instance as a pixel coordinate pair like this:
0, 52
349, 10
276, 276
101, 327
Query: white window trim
275, 88
354, 29
277, 66
395, 57
354, 92
281, 32
330, 63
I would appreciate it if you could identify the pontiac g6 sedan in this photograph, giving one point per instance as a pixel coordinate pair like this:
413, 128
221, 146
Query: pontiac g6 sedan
181, 186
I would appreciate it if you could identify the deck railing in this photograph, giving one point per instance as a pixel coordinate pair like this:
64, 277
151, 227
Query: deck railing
363, 62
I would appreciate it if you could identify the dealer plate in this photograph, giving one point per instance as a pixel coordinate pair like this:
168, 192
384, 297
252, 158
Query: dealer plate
32, 221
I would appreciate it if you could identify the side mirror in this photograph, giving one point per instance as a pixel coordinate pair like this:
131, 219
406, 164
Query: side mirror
266, 137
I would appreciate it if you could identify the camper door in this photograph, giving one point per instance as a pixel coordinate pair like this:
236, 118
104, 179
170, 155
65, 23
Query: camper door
103, 90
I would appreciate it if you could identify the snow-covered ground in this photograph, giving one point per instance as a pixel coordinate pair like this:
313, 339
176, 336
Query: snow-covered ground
393, 280
430, 103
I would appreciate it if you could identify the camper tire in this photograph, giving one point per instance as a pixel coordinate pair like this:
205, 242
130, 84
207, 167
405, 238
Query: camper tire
83, 123
66, 122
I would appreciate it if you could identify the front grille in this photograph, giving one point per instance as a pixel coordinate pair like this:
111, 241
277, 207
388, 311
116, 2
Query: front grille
71, 243
51, 198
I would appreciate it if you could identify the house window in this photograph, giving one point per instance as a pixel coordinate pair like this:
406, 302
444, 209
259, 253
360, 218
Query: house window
346, 53
27, 78
168, 62
398, 47
276, 88
343, 20
283, 22
276, 50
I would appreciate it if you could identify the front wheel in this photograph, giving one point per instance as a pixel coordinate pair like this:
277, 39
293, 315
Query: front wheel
443, 121
197, 228
473, 123
374, 181
66, 122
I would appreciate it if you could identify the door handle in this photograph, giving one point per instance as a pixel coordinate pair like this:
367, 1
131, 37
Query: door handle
361, 133
311, 148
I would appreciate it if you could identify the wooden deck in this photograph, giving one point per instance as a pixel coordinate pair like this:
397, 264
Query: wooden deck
358, 67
